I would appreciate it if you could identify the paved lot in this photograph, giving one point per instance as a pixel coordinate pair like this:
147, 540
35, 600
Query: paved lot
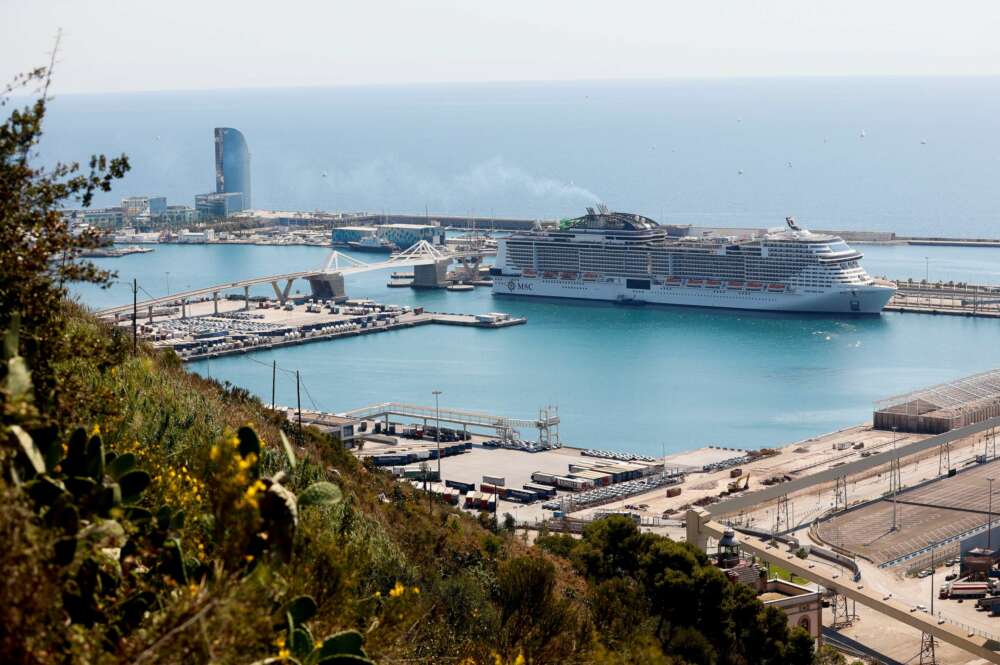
927, 514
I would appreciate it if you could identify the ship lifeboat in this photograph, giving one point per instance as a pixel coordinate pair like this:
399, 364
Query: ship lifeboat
590, 276
712, 283
549, 275
529, 273
695, 282
776, 287
567, 275
673, 281
734, 284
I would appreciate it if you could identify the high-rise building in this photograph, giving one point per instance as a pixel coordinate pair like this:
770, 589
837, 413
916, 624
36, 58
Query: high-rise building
218, 206
152, 206
232, 164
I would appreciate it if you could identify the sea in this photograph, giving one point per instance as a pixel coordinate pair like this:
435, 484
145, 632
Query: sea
914, 156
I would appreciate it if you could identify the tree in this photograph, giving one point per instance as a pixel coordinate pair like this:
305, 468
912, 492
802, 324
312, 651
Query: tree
39, 252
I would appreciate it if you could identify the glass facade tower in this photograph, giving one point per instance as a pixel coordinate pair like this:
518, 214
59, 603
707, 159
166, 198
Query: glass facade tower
232, 164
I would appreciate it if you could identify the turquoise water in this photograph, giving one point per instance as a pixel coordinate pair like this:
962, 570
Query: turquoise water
723, 153
625, 378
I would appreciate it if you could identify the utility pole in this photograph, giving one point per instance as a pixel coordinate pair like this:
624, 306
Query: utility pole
989, 519
895, 481
274, 378
135, 316
437, 428
298, 399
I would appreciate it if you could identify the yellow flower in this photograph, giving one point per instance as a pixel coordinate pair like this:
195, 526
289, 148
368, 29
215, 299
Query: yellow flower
279, 641
317, 644
416, 590
397, 590
519, 660
96, 430
249, 558
378, 594
283, 653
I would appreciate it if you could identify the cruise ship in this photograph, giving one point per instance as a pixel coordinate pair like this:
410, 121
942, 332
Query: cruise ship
630, 259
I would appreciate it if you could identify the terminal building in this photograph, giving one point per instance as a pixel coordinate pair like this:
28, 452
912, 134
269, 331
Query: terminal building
404, 236
345, 234
943, 407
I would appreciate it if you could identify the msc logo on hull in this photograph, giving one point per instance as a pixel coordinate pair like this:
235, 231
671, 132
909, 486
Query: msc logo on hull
516, 285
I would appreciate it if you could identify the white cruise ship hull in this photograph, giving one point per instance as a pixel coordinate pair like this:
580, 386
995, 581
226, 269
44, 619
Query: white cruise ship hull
867, 299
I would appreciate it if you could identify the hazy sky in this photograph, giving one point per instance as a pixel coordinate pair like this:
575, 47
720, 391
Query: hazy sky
111, 45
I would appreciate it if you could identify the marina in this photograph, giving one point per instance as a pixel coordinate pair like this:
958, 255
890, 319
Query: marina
210, 331
656, 364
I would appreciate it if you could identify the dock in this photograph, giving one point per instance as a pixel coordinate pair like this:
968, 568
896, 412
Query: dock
948, 299
206, 334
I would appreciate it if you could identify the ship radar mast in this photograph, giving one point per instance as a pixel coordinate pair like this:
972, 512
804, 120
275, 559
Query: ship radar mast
791, 223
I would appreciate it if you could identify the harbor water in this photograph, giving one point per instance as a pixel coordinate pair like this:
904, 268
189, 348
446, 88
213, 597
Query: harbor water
639, 379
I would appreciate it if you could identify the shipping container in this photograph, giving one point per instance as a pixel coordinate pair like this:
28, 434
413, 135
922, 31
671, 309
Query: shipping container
521, 496
499, 481
460, 486
673, 491
598, 478
544, 478
575, 484
541, 490
735, 473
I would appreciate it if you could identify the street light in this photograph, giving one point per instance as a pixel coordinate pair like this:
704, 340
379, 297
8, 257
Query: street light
927, 269
437, 428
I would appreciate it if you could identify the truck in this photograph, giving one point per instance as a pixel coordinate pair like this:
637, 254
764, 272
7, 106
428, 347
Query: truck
964, 590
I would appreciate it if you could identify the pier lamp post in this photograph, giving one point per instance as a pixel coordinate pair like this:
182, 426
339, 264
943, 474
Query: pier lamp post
437, 428
927, 269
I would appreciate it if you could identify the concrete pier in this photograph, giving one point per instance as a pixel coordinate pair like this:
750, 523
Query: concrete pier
432, 276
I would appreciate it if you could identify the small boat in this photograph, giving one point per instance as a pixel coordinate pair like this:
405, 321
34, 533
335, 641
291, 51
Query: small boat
713, 283
673, 281
460, 287
590, 276
734, 284
567, 275
695, 282
548, 275
371, 243
529, 273
754, 286
775, 287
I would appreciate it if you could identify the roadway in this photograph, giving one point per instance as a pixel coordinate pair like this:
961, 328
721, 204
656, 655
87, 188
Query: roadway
700, 528
420, 254
746, 501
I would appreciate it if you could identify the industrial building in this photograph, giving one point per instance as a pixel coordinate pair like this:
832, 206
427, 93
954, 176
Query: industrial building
943, 407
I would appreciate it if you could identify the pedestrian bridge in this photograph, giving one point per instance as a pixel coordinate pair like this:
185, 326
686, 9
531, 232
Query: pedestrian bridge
430, 265
547, 422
